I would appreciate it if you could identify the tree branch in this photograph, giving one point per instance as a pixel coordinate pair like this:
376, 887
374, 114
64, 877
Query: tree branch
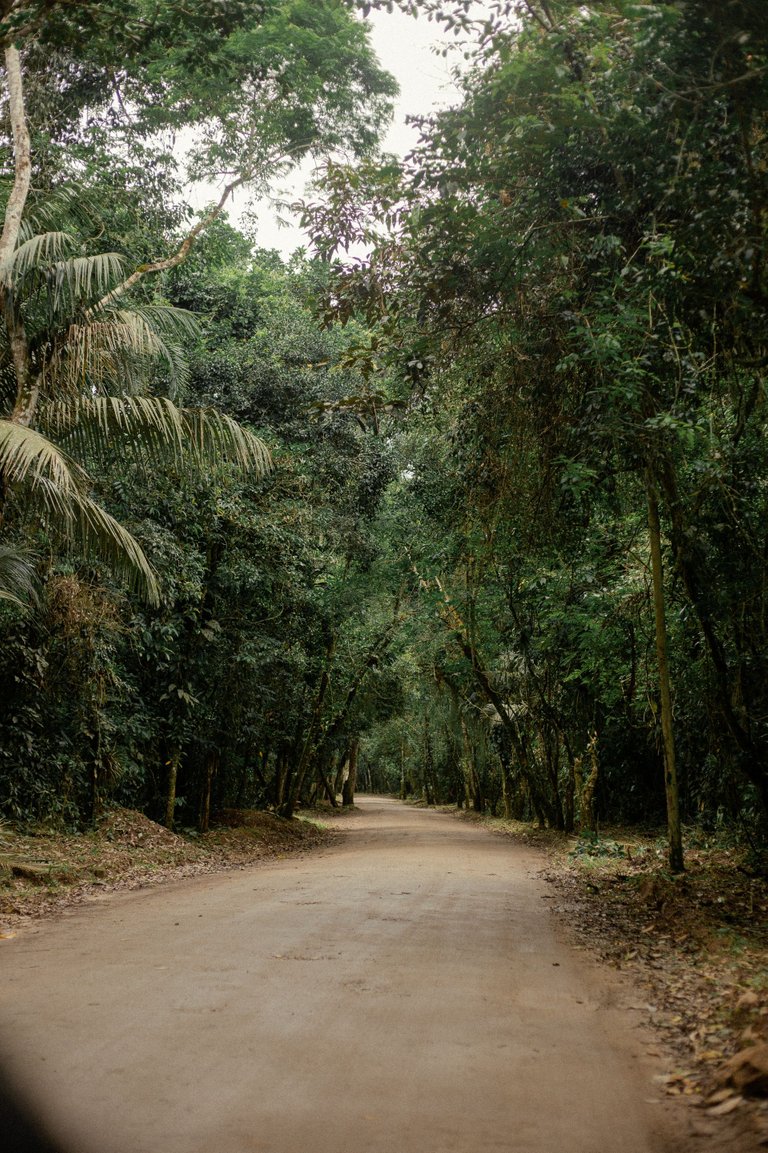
184, 248
180, 255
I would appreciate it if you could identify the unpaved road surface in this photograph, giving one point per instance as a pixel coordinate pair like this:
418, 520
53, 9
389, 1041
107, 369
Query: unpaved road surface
404, 991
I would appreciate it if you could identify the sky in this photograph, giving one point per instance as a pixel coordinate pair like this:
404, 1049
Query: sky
404, 47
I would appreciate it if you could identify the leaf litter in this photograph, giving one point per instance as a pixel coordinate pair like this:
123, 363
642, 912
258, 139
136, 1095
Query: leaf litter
44, 870
697, 944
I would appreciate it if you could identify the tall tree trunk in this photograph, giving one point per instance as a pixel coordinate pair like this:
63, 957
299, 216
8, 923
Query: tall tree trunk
569, 801
427, 762
588, 785
690, 564
544, 807
338, 779
506, 774
473, 787
403, 782
328, 781
320, 736
22, 155
27, 386
350, 783
282, 778
676, 862
211, 768
170, 790
253, 764
550, 744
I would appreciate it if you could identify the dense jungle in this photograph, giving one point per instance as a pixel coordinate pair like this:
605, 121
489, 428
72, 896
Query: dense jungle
467, 500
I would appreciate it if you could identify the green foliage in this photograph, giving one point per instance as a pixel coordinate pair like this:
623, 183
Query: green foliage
574, 258
262, 85
563, 306
592, 845
215, 679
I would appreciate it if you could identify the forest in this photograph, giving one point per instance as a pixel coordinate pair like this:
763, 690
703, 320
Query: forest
468, 500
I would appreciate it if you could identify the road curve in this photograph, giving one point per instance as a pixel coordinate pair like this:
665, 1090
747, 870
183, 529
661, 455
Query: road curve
403, 991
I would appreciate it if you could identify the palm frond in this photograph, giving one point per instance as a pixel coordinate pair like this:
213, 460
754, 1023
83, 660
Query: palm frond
69, 203
167, 320
102, 353
17, 577
213, 433
159, 333
45, 480
92, 426
83, 525
153, 428
44, 248
119, 346
84, 277
99, 534
27, 457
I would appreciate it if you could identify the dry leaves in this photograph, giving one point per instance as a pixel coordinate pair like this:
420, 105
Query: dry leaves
699, 945
42, 871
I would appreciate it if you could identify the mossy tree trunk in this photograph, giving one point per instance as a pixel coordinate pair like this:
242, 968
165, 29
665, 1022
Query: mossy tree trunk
172, 778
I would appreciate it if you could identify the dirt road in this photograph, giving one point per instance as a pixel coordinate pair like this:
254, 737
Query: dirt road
404, 991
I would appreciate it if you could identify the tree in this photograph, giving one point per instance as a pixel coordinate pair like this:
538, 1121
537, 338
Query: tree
555, 274
298, 117
93, 354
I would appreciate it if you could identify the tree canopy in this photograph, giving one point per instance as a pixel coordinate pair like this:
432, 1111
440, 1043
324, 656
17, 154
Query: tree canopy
478, 514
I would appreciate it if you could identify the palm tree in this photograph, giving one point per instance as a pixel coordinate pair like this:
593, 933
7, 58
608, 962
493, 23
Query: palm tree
68, 345
76, 349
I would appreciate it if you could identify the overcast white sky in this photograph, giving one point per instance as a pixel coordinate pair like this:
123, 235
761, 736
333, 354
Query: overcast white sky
403, 45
